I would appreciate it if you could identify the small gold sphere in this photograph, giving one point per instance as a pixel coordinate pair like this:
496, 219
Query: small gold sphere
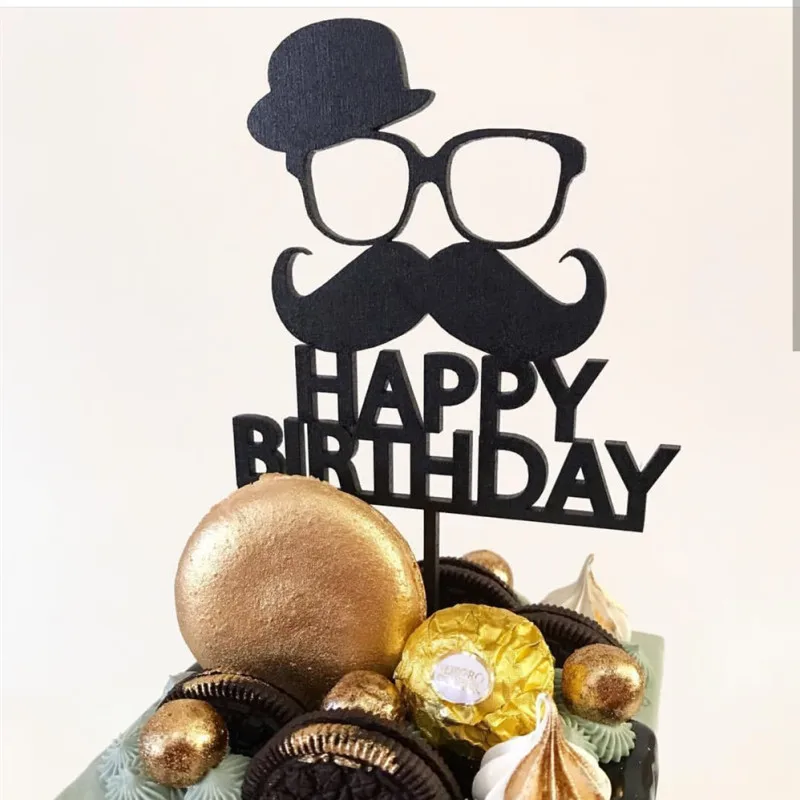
181, 742
367, 692
602, 683
495, 563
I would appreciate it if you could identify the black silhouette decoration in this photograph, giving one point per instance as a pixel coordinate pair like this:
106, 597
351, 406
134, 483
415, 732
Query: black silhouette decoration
332, 81
436, 169
345, 79
473, 291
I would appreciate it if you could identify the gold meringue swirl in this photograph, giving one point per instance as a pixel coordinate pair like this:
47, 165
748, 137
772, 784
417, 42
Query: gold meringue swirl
587, 597
556, 770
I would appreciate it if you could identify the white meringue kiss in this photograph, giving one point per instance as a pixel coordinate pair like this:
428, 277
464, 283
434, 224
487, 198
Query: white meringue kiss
586, 597
542, 765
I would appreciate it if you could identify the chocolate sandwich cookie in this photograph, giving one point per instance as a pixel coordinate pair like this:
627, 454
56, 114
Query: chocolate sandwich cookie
564, 630
252, 709
461, 581
338, 755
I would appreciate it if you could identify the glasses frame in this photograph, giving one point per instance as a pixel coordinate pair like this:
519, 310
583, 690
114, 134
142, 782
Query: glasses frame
435, 169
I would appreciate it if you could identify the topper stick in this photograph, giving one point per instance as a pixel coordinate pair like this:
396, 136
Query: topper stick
431, 555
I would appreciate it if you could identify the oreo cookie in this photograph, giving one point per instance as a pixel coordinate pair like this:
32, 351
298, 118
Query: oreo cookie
252, 709
565, 630
461, 581
338, 755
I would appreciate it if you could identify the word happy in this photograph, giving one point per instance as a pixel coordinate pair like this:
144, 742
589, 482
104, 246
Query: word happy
307, 450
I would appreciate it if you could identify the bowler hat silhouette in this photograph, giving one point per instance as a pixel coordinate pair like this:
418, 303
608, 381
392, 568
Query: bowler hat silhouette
333, 81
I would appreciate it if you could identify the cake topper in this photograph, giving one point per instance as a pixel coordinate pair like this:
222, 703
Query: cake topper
345, 79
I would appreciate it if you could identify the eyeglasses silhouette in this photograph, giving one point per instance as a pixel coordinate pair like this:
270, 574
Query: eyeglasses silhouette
436, 169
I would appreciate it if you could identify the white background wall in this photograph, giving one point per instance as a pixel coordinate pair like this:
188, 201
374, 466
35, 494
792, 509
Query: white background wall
140, 225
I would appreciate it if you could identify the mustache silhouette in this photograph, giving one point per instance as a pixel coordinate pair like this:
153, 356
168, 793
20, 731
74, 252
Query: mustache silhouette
473, 292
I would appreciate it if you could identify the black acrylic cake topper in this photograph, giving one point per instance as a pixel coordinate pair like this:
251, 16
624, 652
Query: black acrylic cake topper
345, 79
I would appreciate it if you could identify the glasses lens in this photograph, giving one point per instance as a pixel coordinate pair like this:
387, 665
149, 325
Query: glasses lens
504, 187
360, 187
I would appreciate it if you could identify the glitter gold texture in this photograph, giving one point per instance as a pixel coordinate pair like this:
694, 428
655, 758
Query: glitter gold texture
181, 742
366, 692
602, 683
495, 563
555, 769
346, 745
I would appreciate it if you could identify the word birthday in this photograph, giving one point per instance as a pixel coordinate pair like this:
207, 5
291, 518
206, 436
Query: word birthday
307, 440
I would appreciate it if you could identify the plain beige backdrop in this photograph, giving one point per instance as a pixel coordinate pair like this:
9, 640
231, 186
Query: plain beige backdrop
140, 225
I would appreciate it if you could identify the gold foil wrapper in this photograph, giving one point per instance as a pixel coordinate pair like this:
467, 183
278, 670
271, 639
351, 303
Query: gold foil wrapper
470, 676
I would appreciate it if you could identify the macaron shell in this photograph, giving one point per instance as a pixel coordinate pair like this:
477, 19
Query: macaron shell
297, 583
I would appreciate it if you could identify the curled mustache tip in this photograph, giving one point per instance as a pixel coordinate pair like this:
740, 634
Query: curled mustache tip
284, 294
282, 271
290, 252
578, 253
595, 278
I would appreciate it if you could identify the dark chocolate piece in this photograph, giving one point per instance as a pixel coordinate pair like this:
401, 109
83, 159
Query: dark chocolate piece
636, 777
463, 768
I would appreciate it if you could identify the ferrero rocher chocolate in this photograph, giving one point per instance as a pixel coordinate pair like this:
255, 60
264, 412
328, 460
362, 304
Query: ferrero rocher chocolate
366, 692
495, 563
603, 683
181, 742
470, 676
297, 583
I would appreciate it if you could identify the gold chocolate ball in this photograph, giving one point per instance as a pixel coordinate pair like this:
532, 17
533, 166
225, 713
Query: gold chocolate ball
367, 692
495, 563
297, 583
181, 742
602, 683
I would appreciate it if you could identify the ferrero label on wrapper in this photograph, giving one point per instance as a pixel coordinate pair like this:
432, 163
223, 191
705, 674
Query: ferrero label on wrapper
461, 678
470, 675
